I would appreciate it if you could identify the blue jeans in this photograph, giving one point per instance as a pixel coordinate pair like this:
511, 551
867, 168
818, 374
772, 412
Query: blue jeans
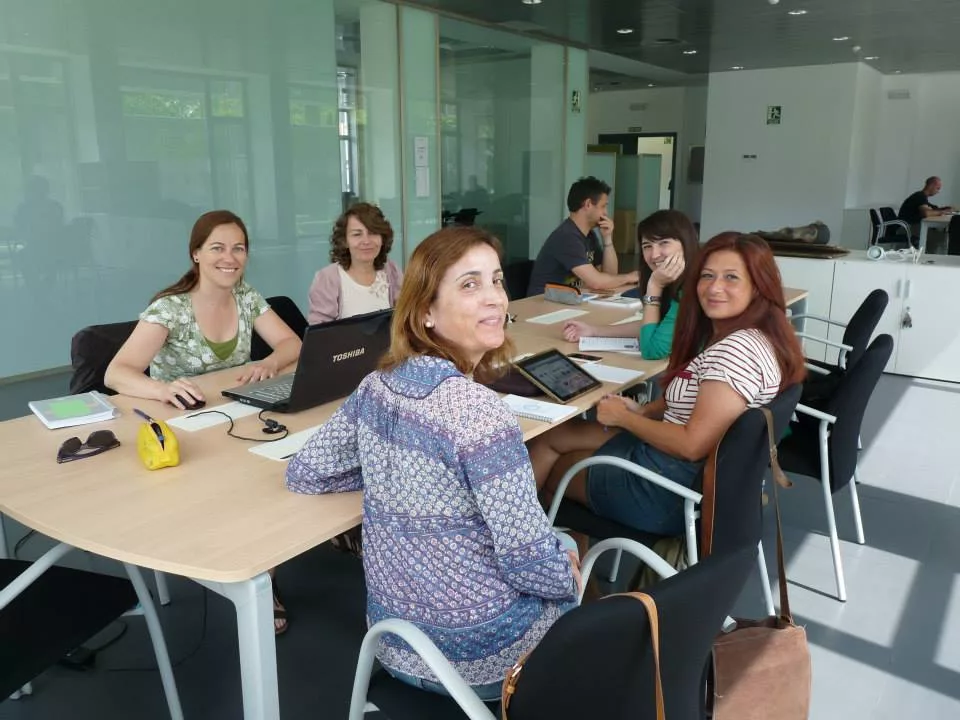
488, 693
635, 501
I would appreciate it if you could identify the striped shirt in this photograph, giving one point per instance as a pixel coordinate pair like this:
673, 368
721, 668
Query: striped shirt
745, 360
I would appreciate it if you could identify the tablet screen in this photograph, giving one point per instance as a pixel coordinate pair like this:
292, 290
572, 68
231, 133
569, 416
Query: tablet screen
558, 375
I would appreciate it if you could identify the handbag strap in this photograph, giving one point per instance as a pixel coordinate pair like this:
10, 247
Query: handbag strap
654, 620
779, 478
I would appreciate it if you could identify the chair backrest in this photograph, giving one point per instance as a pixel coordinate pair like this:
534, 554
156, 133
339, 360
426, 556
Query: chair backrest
516, 275
875, 223
742, 460
289, 312
887, 214
596, 661
91, 351
953, 232
54, 615
862, 324
848, 403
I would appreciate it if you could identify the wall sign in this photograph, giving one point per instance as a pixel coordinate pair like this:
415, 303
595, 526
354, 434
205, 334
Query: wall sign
774, 114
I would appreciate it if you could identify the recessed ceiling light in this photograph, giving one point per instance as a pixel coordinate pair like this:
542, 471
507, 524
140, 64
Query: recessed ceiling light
896, 72
531, 2
841, 38
796, 12
871, 57
689, 52
624, 31
651, 85
737, 67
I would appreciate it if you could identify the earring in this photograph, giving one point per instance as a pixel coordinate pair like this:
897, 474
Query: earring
429, 323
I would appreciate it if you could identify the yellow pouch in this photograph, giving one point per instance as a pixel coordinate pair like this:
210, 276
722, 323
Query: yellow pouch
157, 446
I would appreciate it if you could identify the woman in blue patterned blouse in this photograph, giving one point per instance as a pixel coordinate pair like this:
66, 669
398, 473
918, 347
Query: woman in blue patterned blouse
454, 539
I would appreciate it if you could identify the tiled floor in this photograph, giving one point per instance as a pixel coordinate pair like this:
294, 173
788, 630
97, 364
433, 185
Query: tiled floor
891, 651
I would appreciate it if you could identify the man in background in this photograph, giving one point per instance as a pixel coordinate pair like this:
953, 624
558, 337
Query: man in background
573, 255
918, 206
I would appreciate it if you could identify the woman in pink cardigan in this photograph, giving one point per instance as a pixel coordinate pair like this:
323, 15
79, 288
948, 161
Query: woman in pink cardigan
360, 278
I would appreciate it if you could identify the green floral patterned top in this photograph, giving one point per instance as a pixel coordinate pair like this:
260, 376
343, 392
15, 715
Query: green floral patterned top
186, 351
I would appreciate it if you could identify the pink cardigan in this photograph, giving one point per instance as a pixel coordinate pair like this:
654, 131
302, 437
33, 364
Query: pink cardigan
324, 298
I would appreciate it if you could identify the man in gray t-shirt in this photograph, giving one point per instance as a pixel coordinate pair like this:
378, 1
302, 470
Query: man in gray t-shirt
572, 255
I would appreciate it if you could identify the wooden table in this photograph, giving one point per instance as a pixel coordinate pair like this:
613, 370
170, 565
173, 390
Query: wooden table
223, 517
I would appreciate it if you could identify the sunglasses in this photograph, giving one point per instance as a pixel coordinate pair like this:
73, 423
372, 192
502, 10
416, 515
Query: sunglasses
99, 441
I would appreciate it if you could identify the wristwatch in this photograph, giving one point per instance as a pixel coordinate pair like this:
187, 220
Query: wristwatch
650, 299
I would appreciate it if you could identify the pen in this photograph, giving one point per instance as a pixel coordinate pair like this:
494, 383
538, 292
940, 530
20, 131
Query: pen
153, 423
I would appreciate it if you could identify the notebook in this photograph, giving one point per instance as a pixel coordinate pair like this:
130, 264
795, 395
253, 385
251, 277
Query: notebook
609, 344
618, 301
73, 410
548, 412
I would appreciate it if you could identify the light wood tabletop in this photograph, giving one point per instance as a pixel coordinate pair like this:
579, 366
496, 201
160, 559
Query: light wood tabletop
224, 514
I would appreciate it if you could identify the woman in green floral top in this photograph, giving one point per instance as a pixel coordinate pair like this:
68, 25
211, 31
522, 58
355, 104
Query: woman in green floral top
203, 322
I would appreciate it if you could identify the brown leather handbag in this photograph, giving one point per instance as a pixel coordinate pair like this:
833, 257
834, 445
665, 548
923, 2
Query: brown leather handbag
761, 669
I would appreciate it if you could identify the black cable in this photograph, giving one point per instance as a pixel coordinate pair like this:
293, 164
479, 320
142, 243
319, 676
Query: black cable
21, 542
176, 663
270, 423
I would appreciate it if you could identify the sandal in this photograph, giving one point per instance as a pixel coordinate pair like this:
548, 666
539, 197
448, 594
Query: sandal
349, 542
280, 621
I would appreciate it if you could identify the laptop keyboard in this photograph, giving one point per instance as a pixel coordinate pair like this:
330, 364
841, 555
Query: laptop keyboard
275, 392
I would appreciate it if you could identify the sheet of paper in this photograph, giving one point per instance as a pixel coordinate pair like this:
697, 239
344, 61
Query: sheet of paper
283, 450
612, 374
636, 317
555, 317
191, 421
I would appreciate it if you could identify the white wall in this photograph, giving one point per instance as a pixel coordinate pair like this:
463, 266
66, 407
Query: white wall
680, 110
801, 167
917, 137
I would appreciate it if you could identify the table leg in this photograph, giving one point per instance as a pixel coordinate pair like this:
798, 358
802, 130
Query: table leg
923, 236
253, 600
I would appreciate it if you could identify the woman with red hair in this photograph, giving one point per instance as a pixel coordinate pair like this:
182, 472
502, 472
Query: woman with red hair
734, 349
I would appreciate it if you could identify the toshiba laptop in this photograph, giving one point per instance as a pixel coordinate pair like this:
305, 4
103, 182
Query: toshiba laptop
334, 358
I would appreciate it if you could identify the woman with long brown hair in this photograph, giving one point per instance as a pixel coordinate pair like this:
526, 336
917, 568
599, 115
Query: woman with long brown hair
734, 349
203, 322
454, 539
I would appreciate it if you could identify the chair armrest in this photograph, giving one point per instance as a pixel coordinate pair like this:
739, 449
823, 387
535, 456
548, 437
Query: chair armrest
656, 479
821, 318
825, 341
894, 223
640, 551
814, 413
816, 369
29, 576
464, 696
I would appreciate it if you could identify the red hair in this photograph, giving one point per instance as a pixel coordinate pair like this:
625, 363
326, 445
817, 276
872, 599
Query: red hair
766, 311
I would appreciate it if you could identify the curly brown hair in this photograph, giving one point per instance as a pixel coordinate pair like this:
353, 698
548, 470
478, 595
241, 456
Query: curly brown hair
373, 220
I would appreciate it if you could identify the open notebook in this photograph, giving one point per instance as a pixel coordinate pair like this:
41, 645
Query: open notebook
549, 412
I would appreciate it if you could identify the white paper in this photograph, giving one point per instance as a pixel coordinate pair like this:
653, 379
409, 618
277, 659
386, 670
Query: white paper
423, 182
191, 421
555, 317
617, 301
636, 317
283, 450
612, 374
421, 152
541, 410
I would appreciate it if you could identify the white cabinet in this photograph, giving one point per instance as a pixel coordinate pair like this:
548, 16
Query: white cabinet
929, 341
922, 315
816, 277
852, 282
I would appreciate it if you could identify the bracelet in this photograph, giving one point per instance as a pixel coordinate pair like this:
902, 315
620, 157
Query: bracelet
650, 300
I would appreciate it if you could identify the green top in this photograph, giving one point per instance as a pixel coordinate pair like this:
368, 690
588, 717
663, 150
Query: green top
656, 339
186, 351
224, 349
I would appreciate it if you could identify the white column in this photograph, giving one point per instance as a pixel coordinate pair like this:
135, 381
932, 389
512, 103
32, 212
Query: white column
547, 107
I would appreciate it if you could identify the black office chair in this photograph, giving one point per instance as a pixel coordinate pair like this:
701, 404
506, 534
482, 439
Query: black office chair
516, 275
91, 351
45, 616
893, 229
289, 312
823, 376
595, 662
742, 459
953, 236
824, 442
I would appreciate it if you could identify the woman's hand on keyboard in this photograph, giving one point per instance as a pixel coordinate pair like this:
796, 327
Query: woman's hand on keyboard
255, 372
573, 330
